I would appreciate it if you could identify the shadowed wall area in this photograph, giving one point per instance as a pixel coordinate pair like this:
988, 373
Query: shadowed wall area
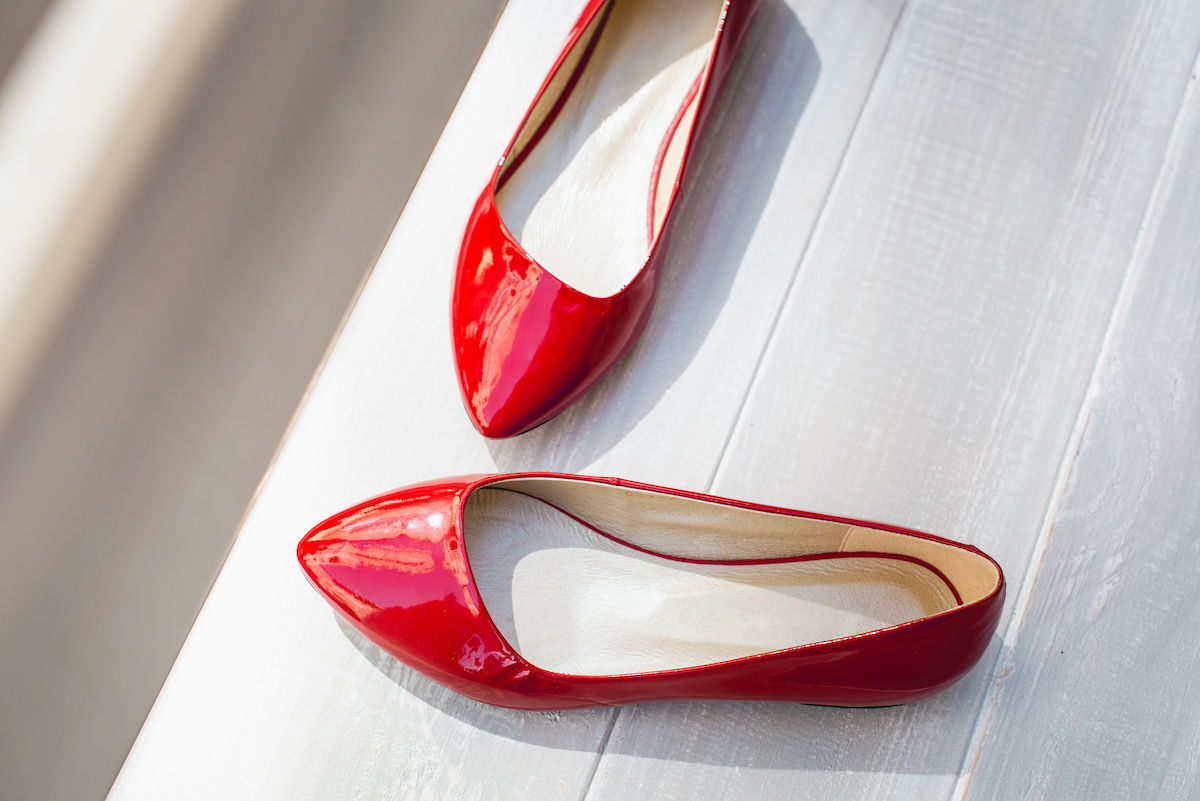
136, 449
18, 19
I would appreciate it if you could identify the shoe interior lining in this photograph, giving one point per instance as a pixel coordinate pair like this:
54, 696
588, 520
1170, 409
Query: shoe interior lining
573, 601
670, 159
687, 528
577, 194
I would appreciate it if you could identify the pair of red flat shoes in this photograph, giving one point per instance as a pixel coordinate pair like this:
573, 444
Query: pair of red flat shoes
547, 591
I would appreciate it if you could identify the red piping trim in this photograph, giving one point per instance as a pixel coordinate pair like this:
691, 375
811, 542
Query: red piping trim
774, 561
662, 152
558, 104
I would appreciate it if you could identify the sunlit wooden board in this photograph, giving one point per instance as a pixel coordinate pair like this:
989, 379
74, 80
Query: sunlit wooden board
931, 362
271, 697
1099, 696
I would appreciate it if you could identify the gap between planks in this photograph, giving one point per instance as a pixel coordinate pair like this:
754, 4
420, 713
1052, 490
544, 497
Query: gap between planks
790, 290
612, 724
1137, 265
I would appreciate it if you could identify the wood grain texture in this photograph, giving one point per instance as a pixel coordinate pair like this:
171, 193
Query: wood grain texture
933, 354
1100, 696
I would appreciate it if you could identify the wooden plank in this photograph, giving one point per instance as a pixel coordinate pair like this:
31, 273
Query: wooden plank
1099, 695
935, 349
268, 686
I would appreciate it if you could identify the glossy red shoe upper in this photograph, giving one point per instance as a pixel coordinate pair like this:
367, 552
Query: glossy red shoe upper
396, 567
526, 344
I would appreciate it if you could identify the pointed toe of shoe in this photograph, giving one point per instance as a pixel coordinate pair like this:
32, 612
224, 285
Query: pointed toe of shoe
388, 553
395, 568
513, 379
526, 344
590, 182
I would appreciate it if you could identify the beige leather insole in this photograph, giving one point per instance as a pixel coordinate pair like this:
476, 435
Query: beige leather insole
572, 601
578, 203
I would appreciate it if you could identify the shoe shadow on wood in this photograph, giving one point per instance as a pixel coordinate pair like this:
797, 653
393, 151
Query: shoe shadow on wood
571, 730
738, 734
722, 205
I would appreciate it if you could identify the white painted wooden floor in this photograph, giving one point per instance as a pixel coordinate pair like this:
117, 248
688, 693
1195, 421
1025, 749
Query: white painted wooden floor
941, 268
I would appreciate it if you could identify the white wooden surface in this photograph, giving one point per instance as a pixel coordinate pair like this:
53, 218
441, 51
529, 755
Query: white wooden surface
1113, 606
916, 235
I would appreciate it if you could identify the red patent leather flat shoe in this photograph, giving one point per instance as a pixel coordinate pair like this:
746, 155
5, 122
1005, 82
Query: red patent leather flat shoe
560, 260
547, 591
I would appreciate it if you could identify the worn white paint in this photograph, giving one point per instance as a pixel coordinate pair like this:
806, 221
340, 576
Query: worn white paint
887, 294
1111, 611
